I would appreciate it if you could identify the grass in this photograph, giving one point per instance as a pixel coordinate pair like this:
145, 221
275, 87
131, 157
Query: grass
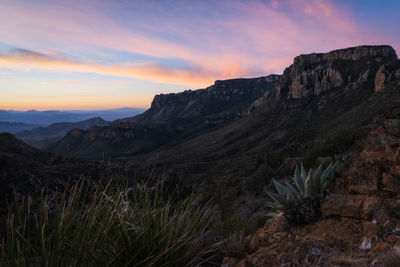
104, 225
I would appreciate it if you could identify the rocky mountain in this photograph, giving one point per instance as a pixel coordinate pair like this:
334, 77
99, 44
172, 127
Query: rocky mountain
42, 137
224, 101
171, 117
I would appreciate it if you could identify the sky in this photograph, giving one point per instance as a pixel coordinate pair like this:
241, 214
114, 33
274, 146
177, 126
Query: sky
100, 54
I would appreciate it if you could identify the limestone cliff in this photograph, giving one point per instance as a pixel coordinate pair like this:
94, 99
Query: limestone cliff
224, 101
314, 74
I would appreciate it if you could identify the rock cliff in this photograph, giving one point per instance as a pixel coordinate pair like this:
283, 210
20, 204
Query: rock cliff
226, 100
314, 74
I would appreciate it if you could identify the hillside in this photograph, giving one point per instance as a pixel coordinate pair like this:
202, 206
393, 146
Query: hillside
14, 127
28, 169
171, 118
361, 218
42, 137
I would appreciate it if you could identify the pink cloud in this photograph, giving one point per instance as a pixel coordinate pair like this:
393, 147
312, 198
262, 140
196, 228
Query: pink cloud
232, 39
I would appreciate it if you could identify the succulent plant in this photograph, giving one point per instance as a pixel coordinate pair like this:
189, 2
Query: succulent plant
300, 200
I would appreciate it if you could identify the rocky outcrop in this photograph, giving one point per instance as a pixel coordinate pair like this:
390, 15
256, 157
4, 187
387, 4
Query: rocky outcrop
361, 213
386, 73
314, 74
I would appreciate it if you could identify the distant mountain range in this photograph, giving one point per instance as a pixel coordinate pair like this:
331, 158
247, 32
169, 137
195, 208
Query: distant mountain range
15, 127
42, 137
53, 116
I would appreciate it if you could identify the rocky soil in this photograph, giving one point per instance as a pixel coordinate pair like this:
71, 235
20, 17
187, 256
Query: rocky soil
361, 214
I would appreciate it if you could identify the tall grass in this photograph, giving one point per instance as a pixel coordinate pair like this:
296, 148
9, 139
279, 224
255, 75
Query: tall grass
96, 225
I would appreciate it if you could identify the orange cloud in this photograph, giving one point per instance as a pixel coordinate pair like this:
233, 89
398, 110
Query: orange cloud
152, 72
234, 43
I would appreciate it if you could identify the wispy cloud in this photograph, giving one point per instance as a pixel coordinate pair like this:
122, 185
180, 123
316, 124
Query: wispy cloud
223, 39
143, 71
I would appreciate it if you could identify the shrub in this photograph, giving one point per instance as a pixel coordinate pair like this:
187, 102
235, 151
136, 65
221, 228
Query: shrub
95, 225
300, 202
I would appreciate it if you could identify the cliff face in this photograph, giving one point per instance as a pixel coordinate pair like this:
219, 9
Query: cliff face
314, 74
224, 101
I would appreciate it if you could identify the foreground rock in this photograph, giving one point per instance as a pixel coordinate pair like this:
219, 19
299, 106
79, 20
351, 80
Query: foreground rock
361, 214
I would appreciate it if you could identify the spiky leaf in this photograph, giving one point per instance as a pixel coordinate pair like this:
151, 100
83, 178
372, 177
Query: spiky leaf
298, 180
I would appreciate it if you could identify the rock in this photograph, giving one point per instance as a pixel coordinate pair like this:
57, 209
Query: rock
391, 182
277, 224
364, 76
380, 248
343, 205
371, 205
371, 230
366, 244
381, 78
397, 74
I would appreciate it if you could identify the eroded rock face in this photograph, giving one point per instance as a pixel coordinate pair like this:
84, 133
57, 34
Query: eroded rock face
227, 99
314, 74
380, 78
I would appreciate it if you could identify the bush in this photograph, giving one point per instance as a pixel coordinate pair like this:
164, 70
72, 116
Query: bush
95, 225
300, 202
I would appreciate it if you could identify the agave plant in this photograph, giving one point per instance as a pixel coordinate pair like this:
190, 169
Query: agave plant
300, 201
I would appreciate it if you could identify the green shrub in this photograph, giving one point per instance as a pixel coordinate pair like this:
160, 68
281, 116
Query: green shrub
300, 202
95, 225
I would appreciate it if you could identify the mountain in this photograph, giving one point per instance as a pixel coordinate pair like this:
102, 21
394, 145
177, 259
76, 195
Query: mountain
122, 138
54, 116
171, 118
224, 101
110, 114
316, 99
14, 127
42, 137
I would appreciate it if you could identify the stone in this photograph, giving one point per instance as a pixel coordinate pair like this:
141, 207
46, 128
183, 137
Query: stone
391, 182
370, 206
397, 74
371, 231
343, 205
366, 244
381, 77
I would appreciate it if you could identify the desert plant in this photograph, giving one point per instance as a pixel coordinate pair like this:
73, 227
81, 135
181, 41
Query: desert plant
97, 225
300, 201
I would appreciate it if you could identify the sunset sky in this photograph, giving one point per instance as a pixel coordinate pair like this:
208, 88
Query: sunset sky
98, 54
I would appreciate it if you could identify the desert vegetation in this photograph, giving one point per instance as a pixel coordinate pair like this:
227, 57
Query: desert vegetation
90, 224
300, 201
